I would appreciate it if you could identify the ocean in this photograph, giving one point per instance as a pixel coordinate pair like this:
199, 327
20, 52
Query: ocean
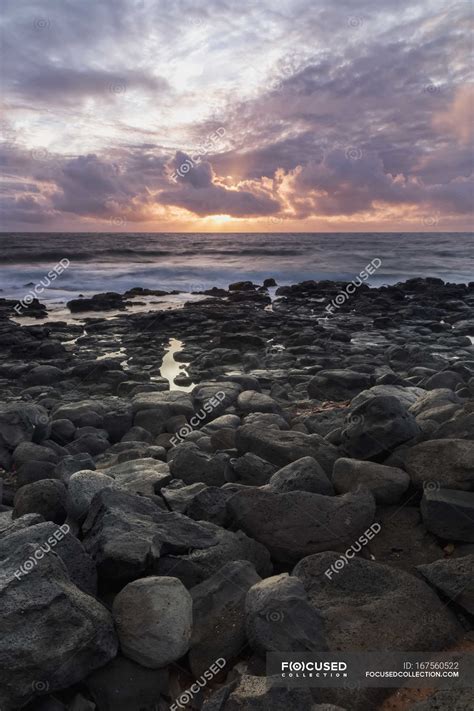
192, 262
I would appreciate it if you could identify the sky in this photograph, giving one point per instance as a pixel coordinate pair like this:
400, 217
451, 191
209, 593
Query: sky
248, 115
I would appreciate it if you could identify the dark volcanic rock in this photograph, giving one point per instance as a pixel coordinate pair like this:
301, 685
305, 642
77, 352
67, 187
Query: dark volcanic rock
448, 462
279, 617
123, 685
304, 474
370, 606
449, 514
454, 578
46, 497
338, 384
282, 448
376, 426
219, 615
296, 524
68, 635
387, 484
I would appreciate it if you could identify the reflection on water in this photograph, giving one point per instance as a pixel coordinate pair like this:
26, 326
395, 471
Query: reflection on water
170, 368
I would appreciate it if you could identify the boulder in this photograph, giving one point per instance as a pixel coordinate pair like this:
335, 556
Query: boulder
449, 514
68, 633
279, 617
377, 426
282, 448
46, 497
219, 615
453, 578
192, 465
249, 469
82, 487
367, 605
304, 474
448, 462
50, 538
387, 484
296, 524
251, 401
338, 384
154, 618
22, 422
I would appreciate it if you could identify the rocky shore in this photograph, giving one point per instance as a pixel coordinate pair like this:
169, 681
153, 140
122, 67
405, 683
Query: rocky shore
304, 483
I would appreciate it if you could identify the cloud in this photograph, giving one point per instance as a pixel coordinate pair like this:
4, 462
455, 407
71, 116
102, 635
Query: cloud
197, 192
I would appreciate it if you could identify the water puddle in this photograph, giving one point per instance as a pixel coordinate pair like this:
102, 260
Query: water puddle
171, 368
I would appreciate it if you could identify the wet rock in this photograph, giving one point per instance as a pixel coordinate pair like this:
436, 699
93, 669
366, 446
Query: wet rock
219, 615
154, 619
387, 484
448, 462
296, 524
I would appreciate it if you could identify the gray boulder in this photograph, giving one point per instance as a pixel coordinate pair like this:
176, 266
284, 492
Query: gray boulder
82, 488
387, 484
377, 426
154, 618
304, 474
448, 462
296, 524
366, 605
338, 384
279, 617
454, 578
46, 497
68, 634
282, 448
219, 615
449, 514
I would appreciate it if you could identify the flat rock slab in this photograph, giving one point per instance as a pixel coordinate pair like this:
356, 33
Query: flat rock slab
296, 524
